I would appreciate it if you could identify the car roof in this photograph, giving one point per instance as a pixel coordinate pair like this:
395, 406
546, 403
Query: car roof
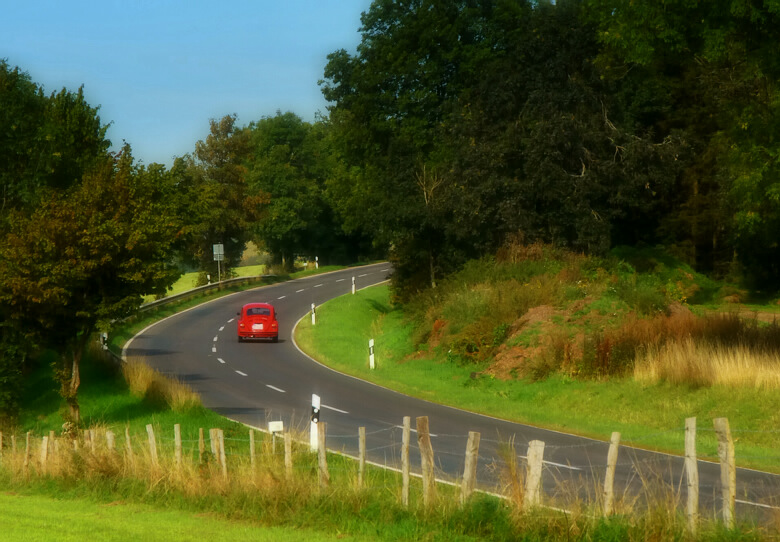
256, 305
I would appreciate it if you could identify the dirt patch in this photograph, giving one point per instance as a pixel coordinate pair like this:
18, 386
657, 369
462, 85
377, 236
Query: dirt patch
510, 362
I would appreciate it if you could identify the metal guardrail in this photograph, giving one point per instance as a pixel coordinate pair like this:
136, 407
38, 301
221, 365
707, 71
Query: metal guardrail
202, 290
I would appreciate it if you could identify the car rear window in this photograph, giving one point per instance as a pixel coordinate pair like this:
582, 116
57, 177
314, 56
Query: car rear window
258, 311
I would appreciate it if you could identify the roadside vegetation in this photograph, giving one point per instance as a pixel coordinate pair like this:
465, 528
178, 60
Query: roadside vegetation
583, 344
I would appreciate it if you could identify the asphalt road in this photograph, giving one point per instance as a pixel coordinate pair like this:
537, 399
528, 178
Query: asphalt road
255, 383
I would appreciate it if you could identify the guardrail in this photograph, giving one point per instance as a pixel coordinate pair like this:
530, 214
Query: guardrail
202, 290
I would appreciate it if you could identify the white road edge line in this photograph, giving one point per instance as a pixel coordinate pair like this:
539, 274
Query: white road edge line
275, 388
757, 504
333, 408
220, 360
242, 374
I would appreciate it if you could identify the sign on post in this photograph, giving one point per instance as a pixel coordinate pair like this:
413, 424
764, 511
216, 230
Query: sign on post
315, 419
219, 256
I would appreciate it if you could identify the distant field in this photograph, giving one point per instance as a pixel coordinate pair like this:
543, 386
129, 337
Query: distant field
188, 281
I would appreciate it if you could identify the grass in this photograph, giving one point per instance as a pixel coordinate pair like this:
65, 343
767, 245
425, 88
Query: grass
77, 519
647, 413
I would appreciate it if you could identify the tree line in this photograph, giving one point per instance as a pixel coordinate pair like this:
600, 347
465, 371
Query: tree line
454, 126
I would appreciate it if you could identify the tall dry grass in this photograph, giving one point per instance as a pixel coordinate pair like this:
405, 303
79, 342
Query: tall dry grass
158, 388
701, 363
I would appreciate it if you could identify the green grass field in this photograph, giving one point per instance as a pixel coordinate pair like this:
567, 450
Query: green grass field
647, 415
34, 518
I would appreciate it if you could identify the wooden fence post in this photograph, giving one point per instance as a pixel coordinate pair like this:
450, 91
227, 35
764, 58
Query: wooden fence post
201, 446
288, 455
533, 477
362, 455
252, 448
44, 452
470, 468
129, 448
26, 463
110, 441
609, 478
426, 457
177, 444
728, 470
222, 453
152, 444
405, 460
213, 441
692, 472
322, 455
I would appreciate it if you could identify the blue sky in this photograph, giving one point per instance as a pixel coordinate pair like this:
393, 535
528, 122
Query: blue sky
160, 69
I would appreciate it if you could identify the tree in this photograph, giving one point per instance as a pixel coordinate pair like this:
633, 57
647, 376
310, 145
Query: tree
85, 256
219, 201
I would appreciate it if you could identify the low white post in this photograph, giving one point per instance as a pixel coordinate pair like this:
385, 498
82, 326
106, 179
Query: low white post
316, 262
353, 285
315, 419
371, 364
313, 315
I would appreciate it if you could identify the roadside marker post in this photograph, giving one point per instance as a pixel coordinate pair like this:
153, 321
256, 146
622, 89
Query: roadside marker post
353, 285
371, 364
313, 315
316, 262
315, 419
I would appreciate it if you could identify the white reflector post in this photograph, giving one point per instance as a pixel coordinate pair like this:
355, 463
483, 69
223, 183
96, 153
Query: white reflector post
353, 285
371, 354
315, 419
313, 315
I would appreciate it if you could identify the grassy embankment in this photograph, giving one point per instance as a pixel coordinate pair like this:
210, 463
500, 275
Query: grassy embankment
572, 343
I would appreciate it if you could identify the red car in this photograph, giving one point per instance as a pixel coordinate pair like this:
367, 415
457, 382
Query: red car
258, 321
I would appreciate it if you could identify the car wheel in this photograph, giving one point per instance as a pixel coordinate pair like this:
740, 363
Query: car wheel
240, 339
275, 339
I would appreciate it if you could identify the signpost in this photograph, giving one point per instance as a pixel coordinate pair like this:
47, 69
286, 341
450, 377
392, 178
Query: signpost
219, 256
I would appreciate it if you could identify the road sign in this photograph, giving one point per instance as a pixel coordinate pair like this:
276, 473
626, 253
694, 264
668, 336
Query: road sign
219, 252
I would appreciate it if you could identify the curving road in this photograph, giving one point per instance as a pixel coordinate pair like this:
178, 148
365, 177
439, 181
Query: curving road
255, 383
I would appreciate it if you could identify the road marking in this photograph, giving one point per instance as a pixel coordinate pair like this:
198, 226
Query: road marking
275, 388
242, 374
231, 320
363, 275
318, 285
215, 339
561, 465
756, 504
414, 430
214, 349
222, 328
383, 270
341, 280
299, 291
281, 297
336, 409
221, 360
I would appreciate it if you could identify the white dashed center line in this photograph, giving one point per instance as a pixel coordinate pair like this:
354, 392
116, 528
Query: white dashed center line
214, 349
221, 360
215, 339
318, 285
242, 374
299, 291
222, 328
275, 388
231, 320
336, 409
363, 275
281, 297
341, 280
